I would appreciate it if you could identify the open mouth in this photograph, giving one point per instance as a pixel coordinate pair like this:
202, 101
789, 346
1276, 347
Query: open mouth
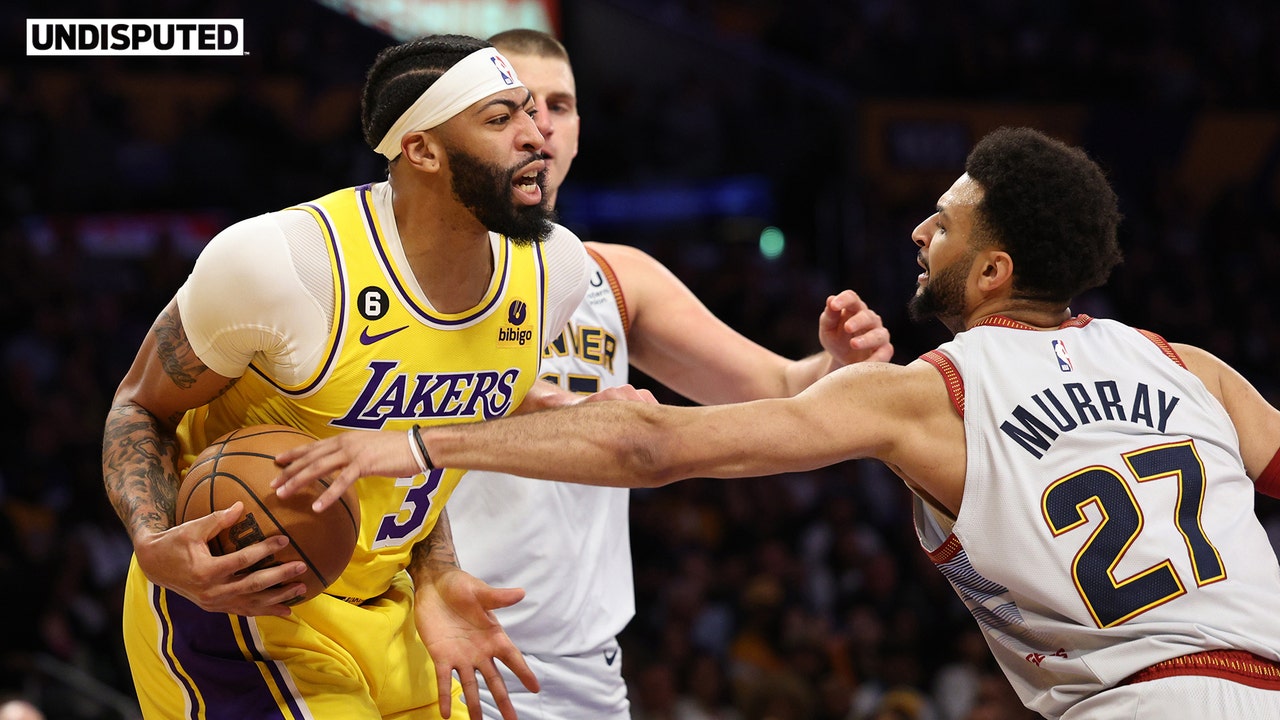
528, 184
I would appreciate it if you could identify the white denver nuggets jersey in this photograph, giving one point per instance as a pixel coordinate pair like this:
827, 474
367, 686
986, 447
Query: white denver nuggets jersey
566, 545
1107, 521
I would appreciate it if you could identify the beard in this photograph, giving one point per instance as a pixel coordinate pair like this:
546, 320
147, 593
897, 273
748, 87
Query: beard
943, 296
485, 190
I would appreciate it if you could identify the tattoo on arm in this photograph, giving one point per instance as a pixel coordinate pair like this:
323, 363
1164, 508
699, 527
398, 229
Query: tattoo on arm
222, 391
179, 361
435, 553
140, 449
138, 468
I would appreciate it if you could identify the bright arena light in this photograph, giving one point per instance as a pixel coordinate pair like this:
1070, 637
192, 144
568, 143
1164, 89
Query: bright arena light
772, 242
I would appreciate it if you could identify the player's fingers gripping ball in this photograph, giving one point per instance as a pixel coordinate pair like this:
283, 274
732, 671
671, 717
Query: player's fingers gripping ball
240, 466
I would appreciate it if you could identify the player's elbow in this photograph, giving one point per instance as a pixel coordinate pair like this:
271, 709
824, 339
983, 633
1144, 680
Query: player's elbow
646, 454
642, 465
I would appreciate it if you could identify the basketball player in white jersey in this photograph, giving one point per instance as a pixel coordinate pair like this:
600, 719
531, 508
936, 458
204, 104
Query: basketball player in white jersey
1086, 487
568, 546
424, 299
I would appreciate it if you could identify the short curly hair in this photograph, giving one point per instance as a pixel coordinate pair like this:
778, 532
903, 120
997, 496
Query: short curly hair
1050, 207
401, 73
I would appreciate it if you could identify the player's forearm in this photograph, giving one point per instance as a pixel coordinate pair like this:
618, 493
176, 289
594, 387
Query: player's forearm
138, 469
606, 443
435, 554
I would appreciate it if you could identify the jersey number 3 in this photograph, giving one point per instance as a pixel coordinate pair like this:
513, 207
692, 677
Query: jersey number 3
1113, 601
400, 526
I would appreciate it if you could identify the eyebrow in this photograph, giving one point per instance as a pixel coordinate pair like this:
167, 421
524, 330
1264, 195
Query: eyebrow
510, 104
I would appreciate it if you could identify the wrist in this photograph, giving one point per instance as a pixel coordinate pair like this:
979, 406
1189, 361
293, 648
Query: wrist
146, 533
418, 449
433, 577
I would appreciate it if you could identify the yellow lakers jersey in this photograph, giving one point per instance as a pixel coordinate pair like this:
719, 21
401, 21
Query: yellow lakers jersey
392, 363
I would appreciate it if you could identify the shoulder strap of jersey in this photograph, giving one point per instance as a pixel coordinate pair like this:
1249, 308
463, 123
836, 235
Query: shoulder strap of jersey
950, 375
1268, 483
1163, 345
607, 269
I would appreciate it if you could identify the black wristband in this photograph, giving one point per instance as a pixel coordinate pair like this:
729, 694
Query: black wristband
422, 446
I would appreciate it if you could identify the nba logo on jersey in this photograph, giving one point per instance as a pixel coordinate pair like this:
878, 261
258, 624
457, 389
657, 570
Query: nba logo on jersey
503, 69
1064, 360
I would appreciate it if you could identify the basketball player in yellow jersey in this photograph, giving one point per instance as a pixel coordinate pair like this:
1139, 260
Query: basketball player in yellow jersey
423, 300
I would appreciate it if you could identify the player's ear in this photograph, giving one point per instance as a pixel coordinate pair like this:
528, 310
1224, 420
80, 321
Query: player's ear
995, 270
423, 150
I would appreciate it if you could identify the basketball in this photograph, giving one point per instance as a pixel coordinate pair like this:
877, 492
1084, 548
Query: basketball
240, 466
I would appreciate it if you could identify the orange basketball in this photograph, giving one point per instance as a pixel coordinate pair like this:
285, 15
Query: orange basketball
240, 466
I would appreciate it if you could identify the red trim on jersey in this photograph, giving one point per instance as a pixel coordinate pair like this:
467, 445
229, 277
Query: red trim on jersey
1163, 345
950, 375
946, 552
1235, 665
1268, 483
1078, 321
615, 286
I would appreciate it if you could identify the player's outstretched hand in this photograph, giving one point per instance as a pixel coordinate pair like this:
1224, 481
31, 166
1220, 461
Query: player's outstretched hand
852, 332
179, 559
455, 619
344, 458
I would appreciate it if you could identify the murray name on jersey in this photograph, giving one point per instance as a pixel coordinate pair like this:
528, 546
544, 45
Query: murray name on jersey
1078, 404
389, 395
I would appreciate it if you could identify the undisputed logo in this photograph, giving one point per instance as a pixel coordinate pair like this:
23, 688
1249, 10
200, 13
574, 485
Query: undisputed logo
135, 37
511, 333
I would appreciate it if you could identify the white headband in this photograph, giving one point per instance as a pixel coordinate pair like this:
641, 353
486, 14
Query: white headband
475, 77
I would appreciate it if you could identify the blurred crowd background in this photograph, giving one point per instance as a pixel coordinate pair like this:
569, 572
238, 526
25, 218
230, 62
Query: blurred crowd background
828, 127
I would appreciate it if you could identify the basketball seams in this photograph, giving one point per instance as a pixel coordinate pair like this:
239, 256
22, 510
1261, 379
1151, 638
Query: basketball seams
355, 521
245, 433
281, 527
238, 467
